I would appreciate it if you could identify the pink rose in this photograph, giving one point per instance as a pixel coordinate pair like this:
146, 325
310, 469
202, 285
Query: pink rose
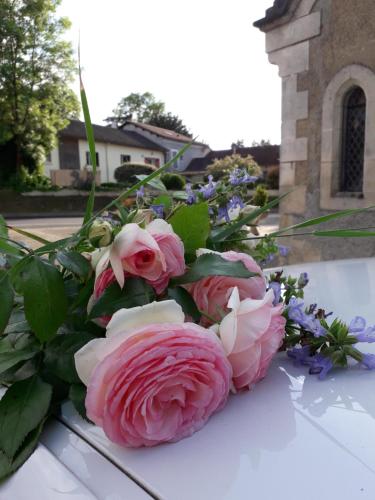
172, 249
251, 335
135, 251
154, 378
211, 294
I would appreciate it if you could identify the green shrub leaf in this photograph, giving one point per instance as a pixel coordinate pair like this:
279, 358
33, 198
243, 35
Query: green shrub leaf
6, 299
211, 264
192, 224
45, 299
22, 409
59, 355
136, 292
74, 262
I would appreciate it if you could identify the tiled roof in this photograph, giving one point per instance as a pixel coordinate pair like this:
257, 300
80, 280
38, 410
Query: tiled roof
161, 132
278, 9
110, 135
265, 156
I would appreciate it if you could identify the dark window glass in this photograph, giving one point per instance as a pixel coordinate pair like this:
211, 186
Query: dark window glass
353, 145
88, 158
125, 159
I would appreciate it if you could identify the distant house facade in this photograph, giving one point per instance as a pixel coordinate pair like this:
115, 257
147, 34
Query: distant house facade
170, 141
71, 159
267, 157
325, 53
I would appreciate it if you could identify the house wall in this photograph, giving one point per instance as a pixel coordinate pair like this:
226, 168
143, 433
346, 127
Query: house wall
109, 158
320, 54
194, 151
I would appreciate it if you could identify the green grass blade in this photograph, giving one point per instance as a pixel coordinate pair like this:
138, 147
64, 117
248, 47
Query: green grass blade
320, 220
345, 233
28, 235
232, 228
91, 141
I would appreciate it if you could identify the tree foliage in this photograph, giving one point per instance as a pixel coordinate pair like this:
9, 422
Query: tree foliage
144, 108
222, 167
262, 142
36, 67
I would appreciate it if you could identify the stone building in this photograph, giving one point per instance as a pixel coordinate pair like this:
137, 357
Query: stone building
325, 51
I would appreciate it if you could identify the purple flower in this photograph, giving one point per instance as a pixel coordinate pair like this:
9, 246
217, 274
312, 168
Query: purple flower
358, 324
249, 179
283, 250
140, 192
209, 189
276, 287
158, 210
235, 202
358, 328
320, 365
191, 196
296, 312
301, 355
223, 214
368, 360
303, 280
236, 176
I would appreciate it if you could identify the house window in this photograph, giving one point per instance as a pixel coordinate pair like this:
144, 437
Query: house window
353, 141
125, 159
88, 158
153, 161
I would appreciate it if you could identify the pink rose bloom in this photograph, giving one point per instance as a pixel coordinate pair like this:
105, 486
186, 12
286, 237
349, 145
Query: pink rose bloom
211, 294
135, 251
251, 335
173, 251
154, 378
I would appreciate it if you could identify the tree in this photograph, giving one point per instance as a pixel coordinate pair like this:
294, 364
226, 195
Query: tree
224, 166
262, 142
36, 67
238, 144
170, 122
138, 107
144, 108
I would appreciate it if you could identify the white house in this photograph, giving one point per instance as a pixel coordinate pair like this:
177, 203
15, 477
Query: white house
171, 141
114, 147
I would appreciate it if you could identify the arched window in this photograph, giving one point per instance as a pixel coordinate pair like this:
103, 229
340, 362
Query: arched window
353, 141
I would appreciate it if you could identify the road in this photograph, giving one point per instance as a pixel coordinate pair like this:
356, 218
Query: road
55, 228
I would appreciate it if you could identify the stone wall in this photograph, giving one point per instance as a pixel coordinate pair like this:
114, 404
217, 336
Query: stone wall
325, 47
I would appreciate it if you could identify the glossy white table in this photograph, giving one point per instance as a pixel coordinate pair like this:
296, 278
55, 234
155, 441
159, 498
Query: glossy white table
293, 437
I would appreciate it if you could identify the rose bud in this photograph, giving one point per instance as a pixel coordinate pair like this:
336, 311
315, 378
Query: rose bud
100, 233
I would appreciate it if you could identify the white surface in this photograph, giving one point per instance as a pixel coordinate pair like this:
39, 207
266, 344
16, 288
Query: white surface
293, 437
43, 477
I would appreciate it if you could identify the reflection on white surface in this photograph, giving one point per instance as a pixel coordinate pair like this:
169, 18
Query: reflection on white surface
42, 477
292, 437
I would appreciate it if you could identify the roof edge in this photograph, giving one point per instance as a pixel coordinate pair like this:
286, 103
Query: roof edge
279, 9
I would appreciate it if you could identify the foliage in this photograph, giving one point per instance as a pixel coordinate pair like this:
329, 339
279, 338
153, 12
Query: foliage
260, 196
127, 173
262, 142
144, 108
25, 182
36, 67
173, 181
273, 178
222, 168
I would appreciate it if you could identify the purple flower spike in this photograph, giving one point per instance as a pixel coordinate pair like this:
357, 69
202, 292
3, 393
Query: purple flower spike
140, 192
158, 210
367, 335
320, 365
223, 214
235, 202
276, 287
358, 324
309, 322
209, 189
191, 196
368, 360
301, 355
283, 250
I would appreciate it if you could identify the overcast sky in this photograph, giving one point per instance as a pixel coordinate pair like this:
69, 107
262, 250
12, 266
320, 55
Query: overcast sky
203, 58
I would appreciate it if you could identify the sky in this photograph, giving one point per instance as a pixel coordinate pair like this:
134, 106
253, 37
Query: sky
203, 58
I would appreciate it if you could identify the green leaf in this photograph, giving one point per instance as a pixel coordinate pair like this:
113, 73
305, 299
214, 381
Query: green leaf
91, 141
154, 183
44, 296
3, 227
236, 226
320, 220
54, 245
77, 395
163, 200
6, 299
345, 233
186, 301
13, 357
7, 247
211, 264
74, 262
192, 225
22, 409
59, 355
136, 292
8, 466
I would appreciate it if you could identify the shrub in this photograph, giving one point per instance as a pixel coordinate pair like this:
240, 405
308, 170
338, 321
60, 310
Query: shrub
273, 178
260, 196
222, 168
127, 172
26, 181
173, 181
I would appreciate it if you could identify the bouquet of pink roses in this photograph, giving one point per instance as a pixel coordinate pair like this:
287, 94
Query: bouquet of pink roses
151, 314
